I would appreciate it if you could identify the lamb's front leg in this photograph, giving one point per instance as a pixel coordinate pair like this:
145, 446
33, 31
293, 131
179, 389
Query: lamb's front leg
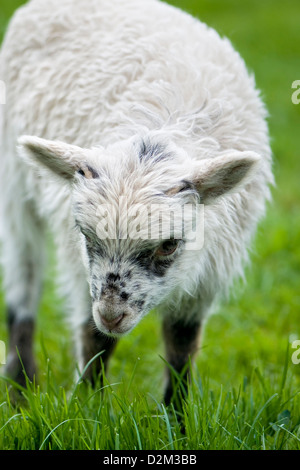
21, 333
93, 342
181, 342
89, 341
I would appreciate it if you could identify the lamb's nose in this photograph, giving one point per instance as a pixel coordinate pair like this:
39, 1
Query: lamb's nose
111, 323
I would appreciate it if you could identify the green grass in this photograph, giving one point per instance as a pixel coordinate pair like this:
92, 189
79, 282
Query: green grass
245, 389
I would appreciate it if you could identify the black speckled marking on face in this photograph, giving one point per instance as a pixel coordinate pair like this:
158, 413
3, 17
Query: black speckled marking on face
112, 282
153, 265
160, 267
124, 295
112, 277
143, 259
99, 250
139, 303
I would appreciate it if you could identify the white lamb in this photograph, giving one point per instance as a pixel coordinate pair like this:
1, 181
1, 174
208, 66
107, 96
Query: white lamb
114, 105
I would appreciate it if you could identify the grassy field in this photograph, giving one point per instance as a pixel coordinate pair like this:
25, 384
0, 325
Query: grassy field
245, 389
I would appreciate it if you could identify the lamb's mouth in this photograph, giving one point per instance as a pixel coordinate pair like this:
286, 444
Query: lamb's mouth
119, 326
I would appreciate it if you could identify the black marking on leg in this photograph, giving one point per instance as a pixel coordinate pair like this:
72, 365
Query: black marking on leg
139, 303
20, 344
11, 316
92, 343
181, 340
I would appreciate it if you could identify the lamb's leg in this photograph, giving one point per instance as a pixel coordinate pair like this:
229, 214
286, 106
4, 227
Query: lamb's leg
21, 332
93, 342
23, 263
182, 342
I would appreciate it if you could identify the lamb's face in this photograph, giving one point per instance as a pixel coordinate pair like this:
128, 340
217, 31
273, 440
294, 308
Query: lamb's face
136, 210
127, 282
133, 234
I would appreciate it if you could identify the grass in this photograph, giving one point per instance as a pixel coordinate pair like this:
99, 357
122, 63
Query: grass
244, 392
257, 415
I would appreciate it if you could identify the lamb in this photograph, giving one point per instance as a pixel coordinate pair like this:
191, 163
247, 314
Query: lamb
121, 115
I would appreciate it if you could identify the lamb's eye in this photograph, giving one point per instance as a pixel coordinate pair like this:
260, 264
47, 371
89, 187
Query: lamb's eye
167, 248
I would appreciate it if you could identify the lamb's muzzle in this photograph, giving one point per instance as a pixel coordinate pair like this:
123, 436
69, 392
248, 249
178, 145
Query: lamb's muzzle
111, 323
114, 317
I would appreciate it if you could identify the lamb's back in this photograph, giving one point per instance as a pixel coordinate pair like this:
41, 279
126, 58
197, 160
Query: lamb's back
76, 70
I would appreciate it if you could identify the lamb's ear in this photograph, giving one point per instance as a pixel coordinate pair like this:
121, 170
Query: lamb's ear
225, 174
63, 159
